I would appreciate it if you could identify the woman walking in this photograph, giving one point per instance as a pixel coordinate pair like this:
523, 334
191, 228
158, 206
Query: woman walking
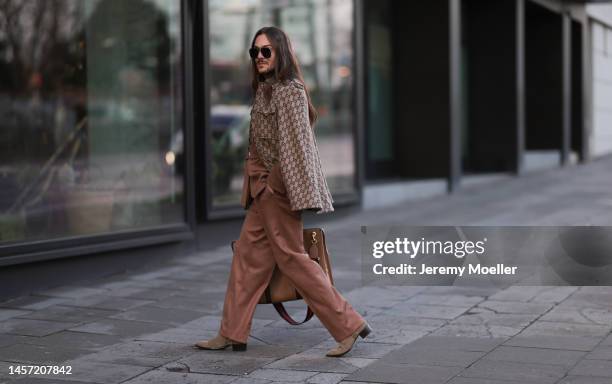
283, 177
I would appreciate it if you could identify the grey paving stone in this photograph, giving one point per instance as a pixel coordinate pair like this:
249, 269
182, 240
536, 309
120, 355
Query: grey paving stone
357, 382
561, 313
29, 327
405, 290
158, 376
123, 328
588, 300
481, 330
474, 380
571, 343
597, 289
39, 354
9, 313
133, 292
125, 283
81, 340
68, 314
359, 362
516, 307
144, 293
5, 371
554, 294
154, 314
448, 299
539, 355
118, 276
600, 368
280, 375
92, 372
165, 282
155, 274
71, 292
34, 380
243, 380
141, 353
379, 297
33, 302
429, 311
486, 316
390, 321
185, 286
135, 360
482, 291
223, 362
179, 335
186, 274
149, 349
6, 340
383, 372
482, 322
457, 343
521, 372
195, 304
571, 379
409, 354
326, 378
551, 328
316, 362
519, 293
607, 342
600, 353
107, 302
198, 291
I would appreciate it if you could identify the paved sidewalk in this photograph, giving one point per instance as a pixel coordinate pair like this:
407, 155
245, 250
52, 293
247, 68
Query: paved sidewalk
140, 327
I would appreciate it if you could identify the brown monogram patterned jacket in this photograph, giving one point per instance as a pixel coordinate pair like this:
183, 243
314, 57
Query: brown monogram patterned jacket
286, 144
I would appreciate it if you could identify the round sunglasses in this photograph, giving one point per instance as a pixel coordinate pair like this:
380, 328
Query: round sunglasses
265, 51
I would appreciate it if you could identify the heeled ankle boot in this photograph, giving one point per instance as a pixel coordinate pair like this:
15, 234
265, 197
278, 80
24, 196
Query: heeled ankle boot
347, 344
220, 342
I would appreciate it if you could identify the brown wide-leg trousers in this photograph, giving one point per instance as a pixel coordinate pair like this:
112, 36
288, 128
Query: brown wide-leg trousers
272, 234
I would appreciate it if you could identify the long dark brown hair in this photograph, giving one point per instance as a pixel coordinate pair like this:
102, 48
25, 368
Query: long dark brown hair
286, 66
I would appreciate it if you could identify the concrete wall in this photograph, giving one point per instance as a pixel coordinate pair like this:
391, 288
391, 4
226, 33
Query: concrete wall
601, 35
601, 137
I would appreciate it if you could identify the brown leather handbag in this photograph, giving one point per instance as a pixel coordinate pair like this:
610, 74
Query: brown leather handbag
280, 288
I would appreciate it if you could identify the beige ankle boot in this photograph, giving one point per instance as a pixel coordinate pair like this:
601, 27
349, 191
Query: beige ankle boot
220, 342
347, 344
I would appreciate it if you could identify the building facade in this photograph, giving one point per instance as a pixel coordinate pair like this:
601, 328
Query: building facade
125, 122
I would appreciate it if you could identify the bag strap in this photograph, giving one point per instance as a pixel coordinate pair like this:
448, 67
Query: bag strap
280, 308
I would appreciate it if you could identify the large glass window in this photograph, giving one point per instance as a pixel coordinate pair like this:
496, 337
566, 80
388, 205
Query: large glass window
322, 34
91, 117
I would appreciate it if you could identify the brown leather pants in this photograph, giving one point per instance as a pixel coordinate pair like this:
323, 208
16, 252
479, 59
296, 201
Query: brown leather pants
272, 234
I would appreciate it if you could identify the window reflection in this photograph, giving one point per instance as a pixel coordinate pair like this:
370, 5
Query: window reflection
90, 127
321, 32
